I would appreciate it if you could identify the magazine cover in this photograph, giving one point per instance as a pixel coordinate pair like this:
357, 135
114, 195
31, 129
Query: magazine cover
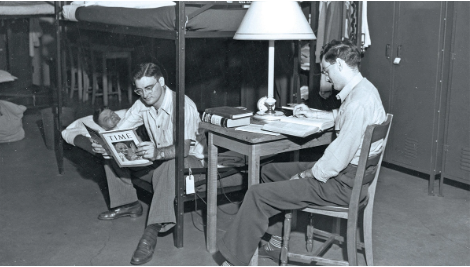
121, 145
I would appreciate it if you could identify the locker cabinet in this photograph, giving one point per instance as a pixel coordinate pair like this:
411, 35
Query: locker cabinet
405, 63
456, 156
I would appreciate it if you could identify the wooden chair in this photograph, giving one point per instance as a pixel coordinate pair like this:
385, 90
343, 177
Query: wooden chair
76, 71
109, 77
373, 133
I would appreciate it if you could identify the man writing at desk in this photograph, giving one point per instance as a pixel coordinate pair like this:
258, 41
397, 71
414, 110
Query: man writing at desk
295, 185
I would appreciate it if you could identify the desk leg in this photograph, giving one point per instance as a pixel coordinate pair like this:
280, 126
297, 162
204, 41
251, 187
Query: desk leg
253, 178
212, 195
105, 82
253, 166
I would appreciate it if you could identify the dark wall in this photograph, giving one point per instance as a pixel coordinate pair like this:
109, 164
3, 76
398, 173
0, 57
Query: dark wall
14, 36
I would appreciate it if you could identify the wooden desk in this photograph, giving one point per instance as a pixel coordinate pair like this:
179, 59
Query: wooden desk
254, 146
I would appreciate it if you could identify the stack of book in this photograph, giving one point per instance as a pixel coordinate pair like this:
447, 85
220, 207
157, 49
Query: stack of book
226, 116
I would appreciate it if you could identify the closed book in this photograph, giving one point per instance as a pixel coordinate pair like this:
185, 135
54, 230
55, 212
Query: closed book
224, 122
229, 112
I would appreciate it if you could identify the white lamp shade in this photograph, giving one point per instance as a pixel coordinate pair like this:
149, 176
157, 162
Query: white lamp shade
274, 20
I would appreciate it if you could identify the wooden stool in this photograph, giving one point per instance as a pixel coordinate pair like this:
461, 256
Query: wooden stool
76, 70
109, 77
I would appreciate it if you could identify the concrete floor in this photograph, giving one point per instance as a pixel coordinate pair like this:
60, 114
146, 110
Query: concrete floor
51, 219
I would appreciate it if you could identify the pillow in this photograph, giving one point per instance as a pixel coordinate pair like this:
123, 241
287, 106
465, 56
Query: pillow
11, 125
6, 76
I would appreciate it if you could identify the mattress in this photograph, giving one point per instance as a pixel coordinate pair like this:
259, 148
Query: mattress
26, 8
162, 18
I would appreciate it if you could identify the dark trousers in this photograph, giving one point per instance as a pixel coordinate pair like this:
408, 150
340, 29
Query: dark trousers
275, 194
162, 176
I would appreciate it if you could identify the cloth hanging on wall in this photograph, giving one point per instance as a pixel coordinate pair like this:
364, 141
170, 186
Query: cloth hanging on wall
334, 24
35, 33
337, 20
365, 26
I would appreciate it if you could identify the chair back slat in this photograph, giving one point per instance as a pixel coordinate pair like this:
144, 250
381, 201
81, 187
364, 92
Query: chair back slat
380, 131
372, 134
373, 161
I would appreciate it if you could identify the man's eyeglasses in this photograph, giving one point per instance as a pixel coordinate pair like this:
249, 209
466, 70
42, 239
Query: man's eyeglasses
324, 70
148, 89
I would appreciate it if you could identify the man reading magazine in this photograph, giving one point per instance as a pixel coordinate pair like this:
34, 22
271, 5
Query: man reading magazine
155, 110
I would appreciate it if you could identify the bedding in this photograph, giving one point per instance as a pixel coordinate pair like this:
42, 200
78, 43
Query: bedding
128, 4
162, 18
11, 124
26, 8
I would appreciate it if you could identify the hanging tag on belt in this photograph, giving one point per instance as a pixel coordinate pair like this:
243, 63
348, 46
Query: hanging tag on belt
190, 183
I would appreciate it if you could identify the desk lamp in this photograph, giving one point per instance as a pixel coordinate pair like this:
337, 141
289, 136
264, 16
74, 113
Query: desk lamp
273, 20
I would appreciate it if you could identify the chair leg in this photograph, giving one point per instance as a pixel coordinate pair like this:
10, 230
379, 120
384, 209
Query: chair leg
129, 87
337, 226
86, 86
285, 239
310, 233
72, 82
118, 88
367, 226
95, 88
94, 79
80, 80
105, 81
351, 242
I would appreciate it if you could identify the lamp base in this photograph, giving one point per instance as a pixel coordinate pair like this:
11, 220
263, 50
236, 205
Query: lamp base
263, 115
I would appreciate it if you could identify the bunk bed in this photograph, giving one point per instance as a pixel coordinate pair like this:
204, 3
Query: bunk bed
13, 47
175, 21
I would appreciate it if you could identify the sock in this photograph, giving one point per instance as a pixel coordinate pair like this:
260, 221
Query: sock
151, 231
154, 226
274, 243
226, 263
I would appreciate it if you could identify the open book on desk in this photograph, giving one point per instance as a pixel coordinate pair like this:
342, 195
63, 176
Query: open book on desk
255, 128
300, 127
121, 145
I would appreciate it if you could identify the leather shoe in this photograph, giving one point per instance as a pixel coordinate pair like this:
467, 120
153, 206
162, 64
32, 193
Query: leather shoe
133, 209
144, 251
274, 255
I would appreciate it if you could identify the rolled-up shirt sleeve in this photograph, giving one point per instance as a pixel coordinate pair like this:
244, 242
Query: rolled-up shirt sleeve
343, 149
76, 128
191, 122
132, 118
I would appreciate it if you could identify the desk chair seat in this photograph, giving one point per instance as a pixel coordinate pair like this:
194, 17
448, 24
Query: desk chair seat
351, 213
